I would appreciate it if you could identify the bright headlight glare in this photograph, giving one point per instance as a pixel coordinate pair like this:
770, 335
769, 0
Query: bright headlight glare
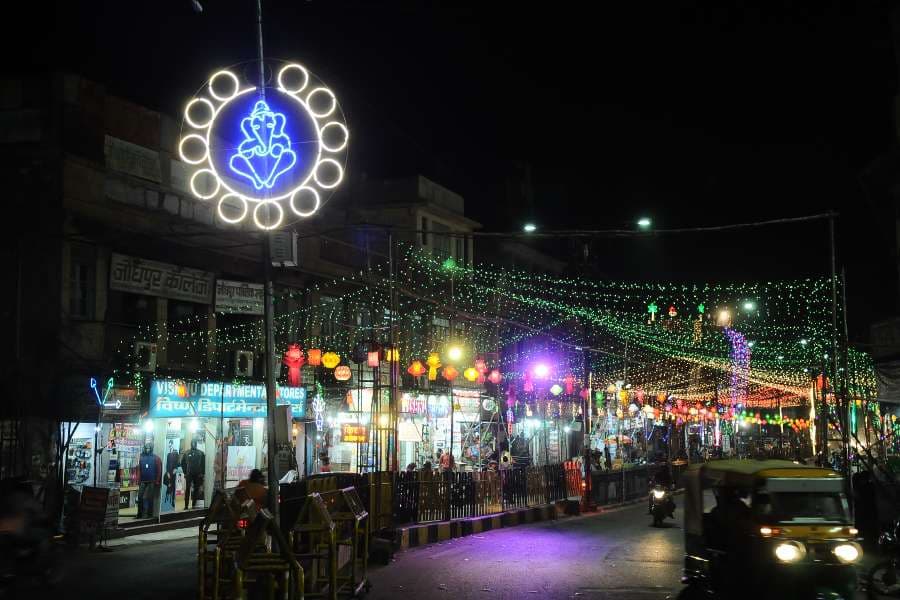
788, 552
658, 494
846, 553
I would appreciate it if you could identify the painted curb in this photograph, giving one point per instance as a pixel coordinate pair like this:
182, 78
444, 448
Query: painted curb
414, 536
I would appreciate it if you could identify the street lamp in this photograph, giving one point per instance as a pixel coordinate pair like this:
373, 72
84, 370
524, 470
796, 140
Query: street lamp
455, 353
749, 306
644, 223
541, 370
529, 228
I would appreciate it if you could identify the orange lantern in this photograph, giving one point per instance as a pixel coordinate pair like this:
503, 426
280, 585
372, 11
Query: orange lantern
450, 373
342, 373
314, 357
471, 374
495, 377
416, 369
331, 360
373, 359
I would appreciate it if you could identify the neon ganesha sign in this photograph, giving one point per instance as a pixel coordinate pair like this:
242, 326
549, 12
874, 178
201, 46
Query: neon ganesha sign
264, 154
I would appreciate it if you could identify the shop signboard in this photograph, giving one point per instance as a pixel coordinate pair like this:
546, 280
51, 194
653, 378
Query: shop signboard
172, 398
354, 434
239, 297
152, 278
415, 405
120, 402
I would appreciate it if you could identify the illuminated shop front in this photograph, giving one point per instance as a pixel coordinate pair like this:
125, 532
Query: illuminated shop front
201, 436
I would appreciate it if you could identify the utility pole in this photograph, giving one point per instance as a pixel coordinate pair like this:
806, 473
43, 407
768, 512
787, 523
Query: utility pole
587, 498
268, 316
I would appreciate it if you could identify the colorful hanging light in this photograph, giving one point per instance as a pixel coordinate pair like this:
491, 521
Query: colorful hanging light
471, 374
293, 359
331, 359
556, 389
314, 357
342, 373
495, 377
373, 358
570, 383
392, 355
434, 363
416, 369
450, 373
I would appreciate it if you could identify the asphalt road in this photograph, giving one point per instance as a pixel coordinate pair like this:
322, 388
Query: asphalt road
614, 555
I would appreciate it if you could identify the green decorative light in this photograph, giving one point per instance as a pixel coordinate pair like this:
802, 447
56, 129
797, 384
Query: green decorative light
556, 389
701, 308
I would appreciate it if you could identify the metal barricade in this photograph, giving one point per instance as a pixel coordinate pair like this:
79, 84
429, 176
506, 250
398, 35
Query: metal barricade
351, 521
267, 573
313, 540
220, 535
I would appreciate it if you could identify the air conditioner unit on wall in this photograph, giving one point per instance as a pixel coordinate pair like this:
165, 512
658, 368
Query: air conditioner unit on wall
243, 363
145, 356
284, 249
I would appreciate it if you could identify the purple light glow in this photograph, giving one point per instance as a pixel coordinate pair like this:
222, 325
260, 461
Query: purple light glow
541, 371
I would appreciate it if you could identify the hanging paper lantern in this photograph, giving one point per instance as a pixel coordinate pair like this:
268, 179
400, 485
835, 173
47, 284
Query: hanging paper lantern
623, 397
392, 355
585, 393
373, 359
495, 377
293, 360
342, 373
672, 312
314, 357
661, 397
480, 365
556, 389
450, 373
416, 369
528, 386
331, 360
434, 363
471, 374
570, 384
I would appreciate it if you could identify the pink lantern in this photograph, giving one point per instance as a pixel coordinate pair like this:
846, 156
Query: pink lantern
570, 383
495, 377
373, 359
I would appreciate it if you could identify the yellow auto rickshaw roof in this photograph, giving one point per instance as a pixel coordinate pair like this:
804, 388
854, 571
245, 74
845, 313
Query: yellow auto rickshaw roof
767, 468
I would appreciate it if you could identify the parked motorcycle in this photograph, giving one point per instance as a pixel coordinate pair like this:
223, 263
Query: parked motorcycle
884, 578
662, 504
28, 558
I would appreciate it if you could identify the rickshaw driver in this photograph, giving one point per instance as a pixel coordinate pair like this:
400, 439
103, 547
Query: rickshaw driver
732, 520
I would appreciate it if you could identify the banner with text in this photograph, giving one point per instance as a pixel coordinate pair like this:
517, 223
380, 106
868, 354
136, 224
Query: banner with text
151, 278
239, 297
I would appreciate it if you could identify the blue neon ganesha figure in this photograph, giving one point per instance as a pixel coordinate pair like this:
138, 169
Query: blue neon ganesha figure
265, 154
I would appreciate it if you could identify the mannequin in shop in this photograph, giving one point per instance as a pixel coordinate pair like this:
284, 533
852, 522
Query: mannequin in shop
170, 477
151, 476
193, 463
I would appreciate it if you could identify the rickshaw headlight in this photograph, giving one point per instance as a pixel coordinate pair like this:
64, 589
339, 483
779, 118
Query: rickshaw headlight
846, 553
790, 551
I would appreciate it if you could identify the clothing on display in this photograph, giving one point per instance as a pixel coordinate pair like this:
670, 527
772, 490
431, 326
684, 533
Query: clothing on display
193, 463
151, 477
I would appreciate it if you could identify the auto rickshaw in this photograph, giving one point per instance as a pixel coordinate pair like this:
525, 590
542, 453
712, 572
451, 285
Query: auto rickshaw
767, 529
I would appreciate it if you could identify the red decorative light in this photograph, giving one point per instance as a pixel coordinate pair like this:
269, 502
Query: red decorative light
570, 384
373, 359
672, 312
450, 373
480, 365
314, 357
416, 369
293, 360
495, 377
342, 373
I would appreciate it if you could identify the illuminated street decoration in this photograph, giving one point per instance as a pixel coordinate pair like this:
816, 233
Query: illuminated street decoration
267, 155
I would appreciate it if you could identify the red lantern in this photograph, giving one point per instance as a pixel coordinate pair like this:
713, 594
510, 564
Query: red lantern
293, 360
314, 357
342, 373
528, 386
480, 365
450, 373
416, 369
495, 377
570, 384
373, 359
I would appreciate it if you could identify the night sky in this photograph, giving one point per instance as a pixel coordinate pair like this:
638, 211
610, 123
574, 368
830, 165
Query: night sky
689, 113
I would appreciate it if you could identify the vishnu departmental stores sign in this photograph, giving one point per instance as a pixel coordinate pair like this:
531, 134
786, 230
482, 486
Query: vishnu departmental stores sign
151, 278
173, 398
